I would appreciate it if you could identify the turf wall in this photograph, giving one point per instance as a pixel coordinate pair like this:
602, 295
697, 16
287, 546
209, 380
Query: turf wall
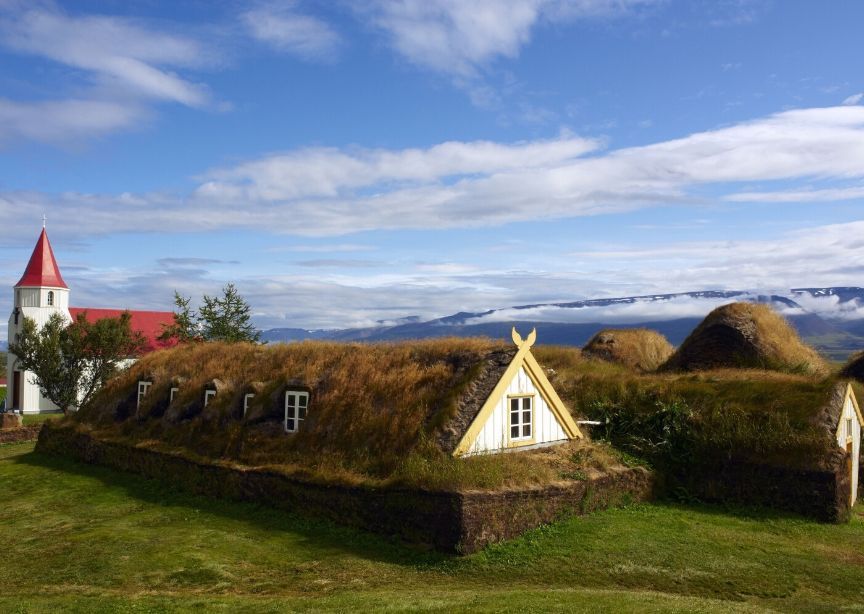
447, 521
822, 494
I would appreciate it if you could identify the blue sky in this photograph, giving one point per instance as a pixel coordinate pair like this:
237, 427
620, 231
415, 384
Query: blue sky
350, 162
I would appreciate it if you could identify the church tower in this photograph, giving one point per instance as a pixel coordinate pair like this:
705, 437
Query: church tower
40, 292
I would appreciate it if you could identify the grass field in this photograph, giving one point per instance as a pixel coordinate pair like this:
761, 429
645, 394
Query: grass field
82, 538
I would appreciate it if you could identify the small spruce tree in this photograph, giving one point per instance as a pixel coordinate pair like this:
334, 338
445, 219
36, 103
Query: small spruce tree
226, 318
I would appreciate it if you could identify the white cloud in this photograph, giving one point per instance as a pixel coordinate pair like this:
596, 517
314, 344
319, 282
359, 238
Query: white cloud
280, 25
65, 120
798, 196
328, 191
123, 65
460, 38
120, 52
854, 99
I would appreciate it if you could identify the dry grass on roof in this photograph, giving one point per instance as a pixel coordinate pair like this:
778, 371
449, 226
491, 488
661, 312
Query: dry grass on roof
749, 414
370, 404
746, 335
854, 367
637, 348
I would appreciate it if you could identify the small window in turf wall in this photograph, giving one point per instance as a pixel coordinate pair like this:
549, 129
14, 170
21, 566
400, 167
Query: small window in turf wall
296, 404
143, 389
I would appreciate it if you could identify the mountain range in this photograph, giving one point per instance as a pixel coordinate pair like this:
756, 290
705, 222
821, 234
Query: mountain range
831, 319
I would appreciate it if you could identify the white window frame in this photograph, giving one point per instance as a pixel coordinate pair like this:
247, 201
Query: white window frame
246, 398
519, 415
143, 389
297, 411
50, 298
173, 394
208, 394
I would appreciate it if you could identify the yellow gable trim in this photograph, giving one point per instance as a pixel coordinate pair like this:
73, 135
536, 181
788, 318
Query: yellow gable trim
542, 383
850, 394
523, 358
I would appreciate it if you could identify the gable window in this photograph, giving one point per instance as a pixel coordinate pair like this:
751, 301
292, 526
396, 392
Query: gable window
173, 394
246, 400
143, 389
208, 394
296, 404
50, 298
521, 418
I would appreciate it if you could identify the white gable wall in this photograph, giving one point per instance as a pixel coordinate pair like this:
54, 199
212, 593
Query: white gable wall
495, 434
842, 435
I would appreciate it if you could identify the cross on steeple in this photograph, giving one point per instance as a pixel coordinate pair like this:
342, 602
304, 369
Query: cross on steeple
44, 220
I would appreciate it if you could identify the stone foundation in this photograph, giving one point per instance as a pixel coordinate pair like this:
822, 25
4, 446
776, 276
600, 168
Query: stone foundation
459, 522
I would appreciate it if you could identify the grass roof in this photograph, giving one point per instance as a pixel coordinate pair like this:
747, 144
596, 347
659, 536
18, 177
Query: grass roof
854, 367
746, 335
638, 348
747, 414
388, 411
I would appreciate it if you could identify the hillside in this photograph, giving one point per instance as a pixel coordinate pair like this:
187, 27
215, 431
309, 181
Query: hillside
575, 323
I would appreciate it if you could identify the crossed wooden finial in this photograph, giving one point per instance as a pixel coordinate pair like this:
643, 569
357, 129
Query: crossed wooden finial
529, 341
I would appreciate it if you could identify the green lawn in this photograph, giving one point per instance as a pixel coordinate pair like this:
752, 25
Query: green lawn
83, 538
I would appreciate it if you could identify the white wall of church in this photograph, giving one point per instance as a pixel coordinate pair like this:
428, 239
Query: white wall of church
32, 303
495, 434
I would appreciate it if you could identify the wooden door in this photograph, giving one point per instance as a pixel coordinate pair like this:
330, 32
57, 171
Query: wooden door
16, 390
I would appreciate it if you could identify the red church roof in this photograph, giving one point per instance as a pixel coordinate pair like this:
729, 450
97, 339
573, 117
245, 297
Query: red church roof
148, 323
42, 270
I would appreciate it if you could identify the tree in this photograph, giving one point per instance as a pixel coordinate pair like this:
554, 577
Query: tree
185, 327
226, 318
70, 362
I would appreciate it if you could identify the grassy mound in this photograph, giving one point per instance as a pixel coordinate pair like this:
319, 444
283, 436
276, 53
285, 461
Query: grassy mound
854, 368
676, 418
746, 336
376, 411
637, 348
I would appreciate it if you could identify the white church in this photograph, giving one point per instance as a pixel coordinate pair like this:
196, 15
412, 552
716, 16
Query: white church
41, 292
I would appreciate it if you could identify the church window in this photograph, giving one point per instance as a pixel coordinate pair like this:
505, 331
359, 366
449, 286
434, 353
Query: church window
50, 298
296, 404
246, 400
143, 389
208, 394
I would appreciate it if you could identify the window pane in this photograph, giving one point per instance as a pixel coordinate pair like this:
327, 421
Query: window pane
301, 413
303, 399
514, 404
291, 400
526, 417
526, 430
514, 431
289, 424
526, 403
514, 417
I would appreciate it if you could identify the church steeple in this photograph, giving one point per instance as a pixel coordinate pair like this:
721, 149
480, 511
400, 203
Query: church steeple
42, 270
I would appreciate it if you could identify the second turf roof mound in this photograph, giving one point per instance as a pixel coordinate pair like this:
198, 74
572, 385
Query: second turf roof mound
746, 336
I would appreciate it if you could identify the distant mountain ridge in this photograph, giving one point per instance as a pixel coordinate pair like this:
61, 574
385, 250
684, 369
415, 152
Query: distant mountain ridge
835, 336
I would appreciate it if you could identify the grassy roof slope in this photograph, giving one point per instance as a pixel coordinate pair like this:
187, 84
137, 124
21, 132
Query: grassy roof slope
367, 401
723, 414
638, 348
854, 367
746, 335
379, 414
